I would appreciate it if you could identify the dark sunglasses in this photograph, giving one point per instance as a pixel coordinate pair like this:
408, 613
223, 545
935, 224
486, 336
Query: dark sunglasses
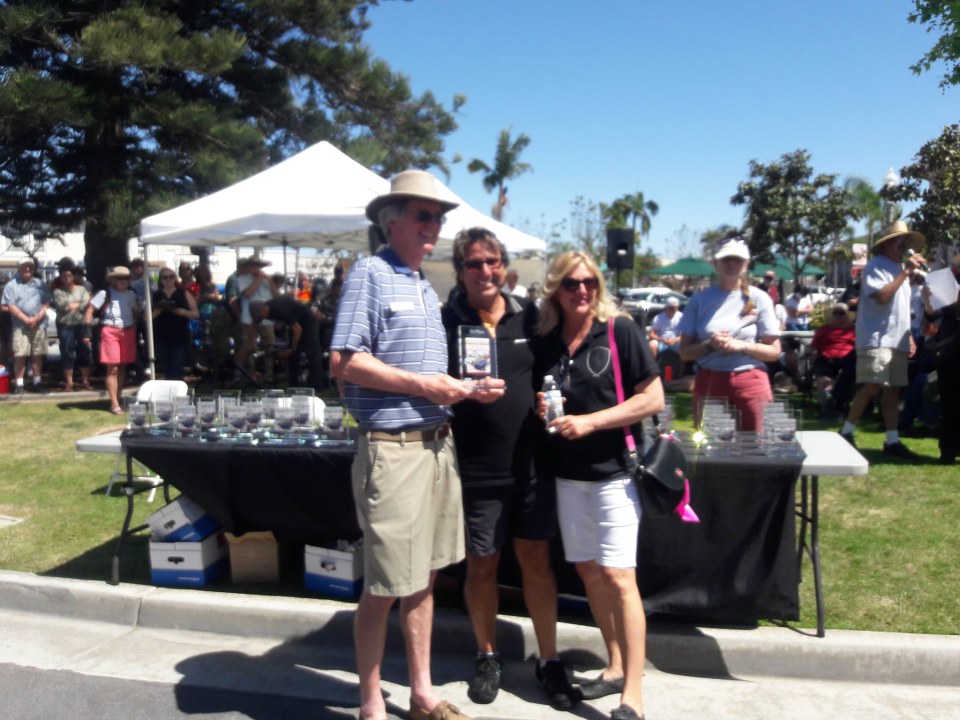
839, 313
168, 277
425, 216
492, 263
571, 284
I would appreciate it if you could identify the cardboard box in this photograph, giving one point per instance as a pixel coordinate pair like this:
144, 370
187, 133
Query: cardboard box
182, 521
254, 557
333, 572
188, 564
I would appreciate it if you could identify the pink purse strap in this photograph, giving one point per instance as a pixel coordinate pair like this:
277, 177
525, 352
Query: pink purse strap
618, 380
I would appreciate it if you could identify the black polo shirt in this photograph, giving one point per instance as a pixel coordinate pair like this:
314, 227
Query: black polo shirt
289, 310
497, 441
588, 384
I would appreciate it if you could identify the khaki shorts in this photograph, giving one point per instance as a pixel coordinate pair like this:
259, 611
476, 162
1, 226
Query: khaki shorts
29, 342
882, 366
409, 508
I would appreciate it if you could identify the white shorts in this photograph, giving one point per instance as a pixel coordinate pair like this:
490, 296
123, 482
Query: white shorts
599, 521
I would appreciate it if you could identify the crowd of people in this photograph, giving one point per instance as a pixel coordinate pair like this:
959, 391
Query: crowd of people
195, 326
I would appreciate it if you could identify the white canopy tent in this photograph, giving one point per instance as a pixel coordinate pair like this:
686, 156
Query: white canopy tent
315, 199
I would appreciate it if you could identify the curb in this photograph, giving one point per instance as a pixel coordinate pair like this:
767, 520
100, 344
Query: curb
870, 657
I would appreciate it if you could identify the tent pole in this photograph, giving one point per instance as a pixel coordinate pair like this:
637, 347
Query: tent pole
148, 311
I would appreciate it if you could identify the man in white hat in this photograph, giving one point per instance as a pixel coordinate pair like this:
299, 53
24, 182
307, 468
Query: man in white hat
884, 342
254, 284
26, 298
389, 349
665, 328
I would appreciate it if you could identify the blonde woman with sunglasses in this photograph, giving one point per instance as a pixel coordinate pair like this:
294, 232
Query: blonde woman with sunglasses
597, 500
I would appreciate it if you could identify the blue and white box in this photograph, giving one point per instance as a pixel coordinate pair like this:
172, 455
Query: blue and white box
182, 521
333, 572
189, 564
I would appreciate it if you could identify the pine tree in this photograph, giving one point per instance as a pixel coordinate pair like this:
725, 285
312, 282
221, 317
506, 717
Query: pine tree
115, 109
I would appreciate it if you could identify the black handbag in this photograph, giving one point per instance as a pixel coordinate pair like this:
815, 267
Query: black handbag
662, 475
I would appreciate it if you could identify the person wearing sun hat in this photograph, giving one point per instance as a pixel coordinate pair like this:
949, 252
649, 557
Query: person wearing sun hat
119, 309
253, 283
730, 329
389, 350
884, 342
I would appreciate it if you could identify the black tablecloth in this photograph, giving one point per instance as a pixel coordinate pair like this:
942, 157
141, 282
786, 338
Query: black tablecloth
303, 494
740, 562
738, 565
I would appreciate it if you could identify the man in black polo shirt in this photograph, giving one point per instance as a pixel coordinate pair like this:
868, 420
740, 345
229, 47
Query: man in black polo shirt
304, 335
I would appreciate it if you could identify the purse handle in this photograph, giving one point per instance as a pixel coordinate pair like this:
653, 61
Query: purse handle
683, 510
618, 381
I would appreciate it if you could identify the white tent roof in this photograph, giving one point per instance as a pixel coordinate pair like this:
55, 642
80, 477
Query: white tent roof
314, 199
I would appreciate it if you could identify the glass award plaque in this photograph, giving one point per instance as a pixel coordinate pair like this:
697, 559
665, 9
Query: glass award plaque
478, 352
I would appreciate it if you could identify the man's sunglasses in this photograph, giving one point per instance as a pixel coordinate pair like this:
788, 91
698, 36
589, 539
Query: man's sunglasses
168, 277
425, 216
571, 284
492, 263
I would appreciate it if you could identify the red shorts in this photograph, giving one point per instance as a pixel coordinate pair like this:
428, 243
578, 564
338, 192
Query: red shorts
747, 391
118, 346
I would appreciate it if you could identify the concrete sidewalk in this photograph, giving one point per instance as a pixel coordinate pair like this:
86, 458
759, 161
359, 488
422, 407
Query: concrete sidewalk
302, 648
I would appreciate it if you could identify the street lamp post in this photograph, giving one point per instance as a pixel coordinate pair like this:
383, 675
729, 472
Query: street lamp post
891, 181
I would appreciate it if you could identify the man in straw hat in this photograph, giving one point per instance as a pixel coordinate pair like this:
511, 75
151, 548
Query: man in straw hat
883, 339
253, 283
389, 348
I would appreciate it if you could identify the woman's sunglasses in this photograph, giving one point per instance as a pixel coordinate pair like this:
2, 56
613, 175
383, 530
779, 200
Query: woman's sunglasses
572, 284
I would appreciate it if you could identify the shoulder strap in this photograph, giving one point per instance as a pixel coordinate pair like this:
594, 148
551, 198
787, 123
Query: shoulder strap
618, 381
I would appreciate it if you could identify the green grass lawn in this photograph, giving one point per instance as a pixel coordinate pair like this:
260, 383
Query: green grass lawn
888, 539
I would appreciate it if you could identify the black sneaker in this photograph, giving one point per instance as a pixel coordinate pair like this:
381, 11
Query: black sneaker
18, 390
552, 675
849, 438
898, 449
485, 684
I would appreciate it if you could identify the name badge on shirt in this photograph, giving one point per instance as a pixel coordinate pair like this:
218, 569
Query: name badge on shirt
401, 306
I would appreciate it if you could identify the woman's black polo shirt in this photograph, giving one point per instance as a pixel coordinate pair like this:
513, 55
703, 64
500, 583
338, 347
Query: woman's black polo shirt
587, 382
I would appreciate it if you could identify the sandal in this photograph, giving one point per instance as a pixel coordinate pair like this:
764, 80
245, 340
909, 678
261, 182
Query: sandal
600, 687
116, 410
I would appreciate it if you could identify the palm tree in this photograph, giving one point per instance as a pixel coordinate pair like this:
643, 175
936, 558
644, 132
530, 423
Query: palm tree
867, 202
506, 166
632, 208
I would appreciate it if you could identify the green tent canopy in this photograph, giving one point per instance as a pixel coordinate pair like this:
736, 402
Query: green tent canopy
684, 266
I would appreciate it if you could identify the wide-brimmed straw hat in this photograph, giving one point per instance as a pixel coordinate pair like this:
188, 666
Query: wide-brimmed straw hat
409, 185
119, 273
899, 229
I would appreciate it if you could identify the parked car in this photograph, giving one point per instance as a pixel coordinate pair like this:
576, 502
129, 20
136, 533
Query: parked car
650, 300
820, 294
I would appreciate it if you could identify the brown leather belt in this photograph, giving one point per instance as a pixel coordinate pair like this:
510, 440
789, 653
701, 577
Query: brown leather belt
412, 436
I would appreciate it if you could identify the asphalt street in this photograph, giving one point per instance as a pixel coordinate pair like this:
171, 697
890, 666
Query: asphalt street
84, 649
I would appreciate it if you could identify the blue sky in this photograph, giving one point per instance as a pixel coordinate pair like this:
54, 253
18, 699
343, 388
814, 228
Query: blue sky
672, 99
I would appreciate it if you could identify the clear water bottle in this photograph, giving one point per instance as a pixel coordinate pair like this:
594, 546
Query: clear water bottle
551, 394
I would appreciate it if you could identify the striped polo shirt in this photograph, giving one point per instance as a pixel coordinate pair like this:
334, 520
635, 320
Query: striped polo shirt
388, 310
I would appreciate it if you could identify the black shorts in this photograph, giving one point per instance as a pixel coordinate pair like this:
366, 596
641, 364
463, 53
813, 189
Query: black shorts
495, 510
827, 367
